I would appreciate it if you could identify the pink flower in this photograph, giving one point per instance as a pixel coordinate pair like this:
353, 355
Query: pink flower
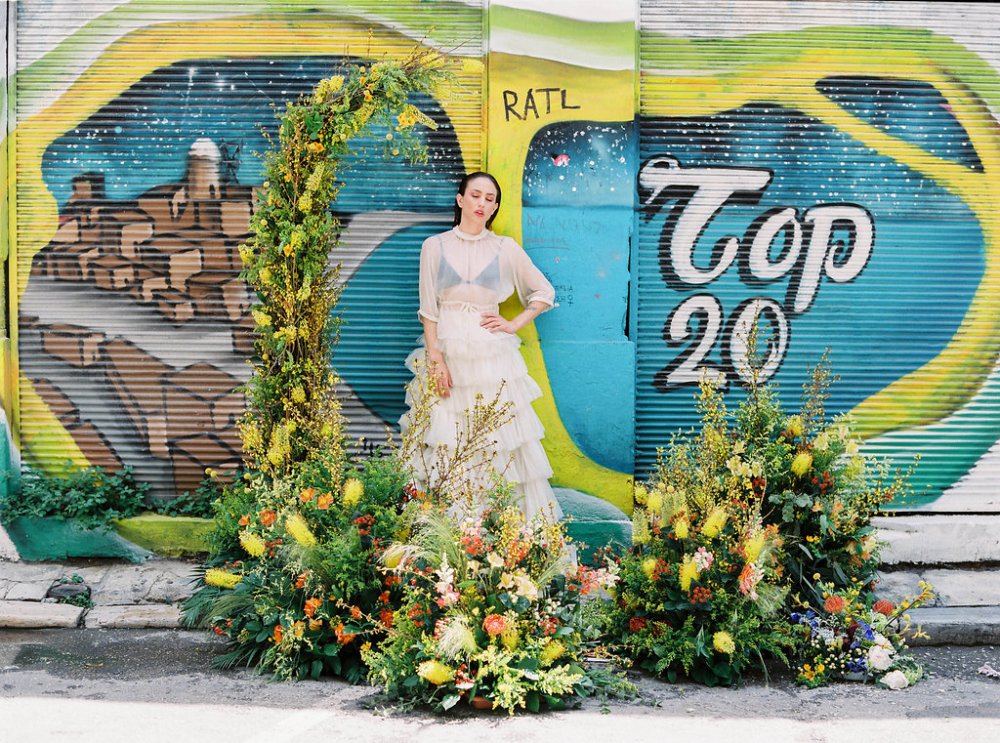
703, 559
749, 579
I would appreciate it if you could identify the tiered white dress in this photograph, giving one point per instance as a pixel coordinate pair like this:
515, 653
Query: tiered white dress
462, 276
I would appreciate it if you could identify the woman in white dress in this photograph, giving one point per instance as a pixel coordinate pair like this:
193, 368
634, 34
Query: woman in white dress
470, 349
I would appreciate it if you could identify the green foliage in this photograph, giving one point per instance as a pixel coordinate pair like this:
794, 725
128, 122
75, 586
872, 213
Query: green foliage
89, 495
201, 502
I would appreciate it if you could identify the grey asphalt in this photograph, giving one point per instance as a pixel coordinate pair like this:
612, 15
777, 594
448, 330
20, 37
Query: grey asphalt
123, 671
113, 685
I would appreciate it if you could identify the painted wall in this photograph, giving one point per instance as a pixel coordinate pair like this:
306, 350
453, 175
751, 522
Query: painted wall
668, 167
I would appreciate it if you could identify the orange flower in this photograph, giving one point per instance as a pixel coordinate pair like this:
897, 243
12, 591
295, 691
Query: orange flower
315, 624
883, 606
343, 637
355, 612
300, 582
278, 634
324, 501
244, 520
386, 618
494, 624
268, 517
835, 604
307, 494
312, 605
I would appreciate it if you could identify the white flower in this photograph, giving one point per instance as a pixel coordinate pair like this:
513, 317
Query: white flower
526, 587
895, 680
879, 657
494, 560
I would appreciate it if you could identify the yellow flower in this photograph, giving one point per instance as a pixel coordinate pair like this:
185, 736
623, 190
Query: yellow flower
795, 426
393, 556
305, 202
435, 672
754, 546
723, 642
298, 529
265, 276
510, 639
681, 529
640, 527
221, 578
261, 318
654, 503
640, 494
252, 543
552, 652
714, 523
353, 490
648, 566
802, 463
688, 573
298, 394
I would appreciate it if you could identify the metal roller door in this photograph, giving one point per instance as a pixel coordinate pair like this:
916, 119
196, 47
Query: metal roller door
832, 166
138, 126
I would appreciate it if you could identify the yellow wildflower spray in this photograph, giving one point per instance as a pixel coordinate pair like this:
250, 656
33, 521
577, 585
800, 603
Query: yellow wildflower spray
353, 490
722, 641
298, 530
221, 578
553, 651
714, 523
252, 543
435, 672
687, 573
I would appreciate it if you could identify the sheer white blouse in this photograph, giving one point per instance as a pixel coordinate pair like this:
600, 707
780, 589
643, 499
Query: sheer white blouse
479, 271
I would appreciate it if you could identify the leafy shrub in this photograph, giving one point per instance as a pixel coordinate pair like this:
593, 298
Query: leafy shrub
89, 495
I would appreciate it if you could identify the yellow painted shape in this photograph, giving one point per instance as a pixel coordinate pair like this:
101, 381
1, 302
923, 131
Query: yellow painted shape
134, 56
949, 380
602, 96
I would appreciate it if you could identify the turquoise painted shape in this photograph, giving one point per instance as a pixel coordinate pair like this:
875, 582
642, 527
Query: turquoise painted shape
46, 539
593, 522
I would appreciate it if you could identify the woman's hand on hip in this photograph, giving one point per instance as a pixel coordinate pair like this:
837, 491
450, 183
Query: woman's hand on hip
493, 322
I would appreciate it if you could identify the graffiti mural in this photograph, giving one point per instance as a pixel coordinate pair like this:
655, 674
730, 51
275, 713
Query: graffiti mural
134, 325
838, 184
841, 207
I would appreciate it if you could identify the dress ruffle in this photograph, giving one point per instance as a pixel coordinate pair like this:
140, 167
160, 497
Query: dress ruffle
482, 363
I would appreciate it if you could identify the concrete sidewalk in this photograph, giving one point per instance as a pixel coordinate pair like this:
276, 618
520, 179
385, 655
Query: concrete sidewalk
149, 595
124, 595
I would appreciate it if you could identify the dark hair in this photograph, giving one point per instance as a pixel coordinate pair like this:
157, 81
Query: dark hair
464, 184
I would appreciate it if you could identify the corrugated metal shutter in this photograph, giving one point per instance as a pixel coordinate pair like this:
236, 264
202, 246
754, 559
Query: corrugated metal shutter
832, 165
134, 327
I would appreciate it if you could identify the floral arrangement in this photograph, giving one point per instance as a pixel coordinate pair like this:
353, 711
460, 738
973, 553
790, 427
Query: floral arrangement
292, 581
857, 637
295, 585
490, 614
700, 589
292, 411
757, 511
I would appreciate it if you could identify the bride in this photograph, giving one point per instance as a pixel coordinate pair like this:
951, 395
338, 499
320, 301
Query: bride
471, 349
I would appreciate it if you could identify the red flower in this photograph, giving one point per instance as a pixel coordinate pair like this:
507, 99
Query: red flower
386, 618
494, 624
835, 604
268, 517
636, 624
884, 606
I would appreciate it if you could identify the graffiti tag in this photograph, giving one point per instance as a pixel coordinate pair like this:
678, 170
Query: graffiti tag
827, 242
519, 106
